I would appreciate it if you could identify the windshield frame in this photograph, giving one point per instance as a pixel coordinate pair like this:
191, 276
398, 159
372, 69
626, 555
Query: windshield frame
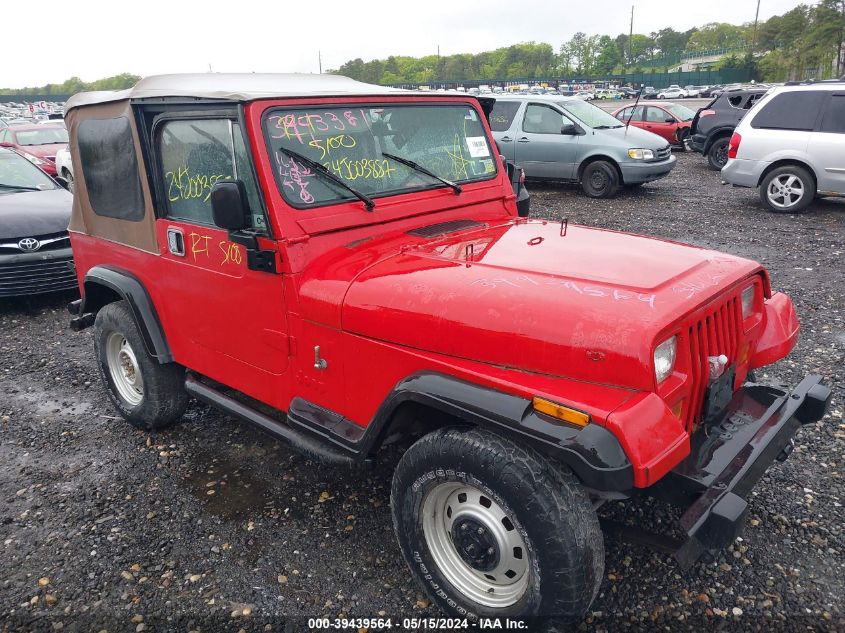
612, 121
354, 102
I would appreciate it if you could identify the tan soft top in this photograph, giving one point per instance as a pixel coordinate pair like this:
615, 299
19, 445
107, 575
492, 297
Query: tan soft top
233, 87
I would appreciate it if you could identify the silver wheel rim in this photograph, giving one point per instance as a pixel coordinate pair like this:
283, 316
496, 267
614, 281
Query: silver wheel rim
785, 191
124, 369
453, 514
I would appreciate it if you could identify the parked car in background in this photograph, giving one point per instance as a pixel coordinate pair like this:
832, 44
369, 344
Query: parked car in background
791, 146
712, 126
669, 120
693, 91
35, 255
649, 92
672, 92
627, 92
564, 138
586, 95
607, 94
64, 165
36, 143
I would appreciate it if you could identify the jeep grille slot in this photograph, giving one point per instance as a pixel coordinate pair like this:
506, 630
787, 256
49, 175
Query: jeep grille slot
716, 332
435, 230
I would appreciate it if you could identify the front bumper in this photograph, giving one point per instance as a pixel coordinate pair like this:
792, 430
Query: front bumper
730, 454
37, 273
697, 142
633, 173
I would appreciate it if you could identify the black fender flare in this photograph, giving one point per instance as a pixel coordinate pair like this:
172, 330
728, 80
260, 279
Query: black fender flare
592, 452
131, 290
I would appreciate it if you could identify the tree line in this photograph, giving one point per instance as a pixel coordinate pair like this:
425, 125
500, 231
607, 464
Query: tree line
805, 42
75, 84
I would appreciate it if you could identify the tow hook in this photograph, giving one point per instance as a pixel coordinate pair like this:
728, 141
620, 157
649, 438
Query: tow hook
787, 451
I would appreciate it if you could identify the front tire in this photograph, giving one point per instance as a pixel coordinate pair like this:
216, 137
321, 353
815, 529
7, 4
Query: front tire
788, 189
600, 179
492, 529
147, 393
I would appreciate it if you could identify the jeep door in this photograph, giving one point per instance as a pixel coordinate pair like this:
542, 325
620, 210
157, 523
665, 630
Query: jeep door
827, 146
232, 315
541, 149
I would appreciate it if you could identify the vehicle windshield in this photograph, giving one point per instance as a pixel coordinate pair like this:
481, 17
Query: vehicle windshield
590, 115
353, 143
18, 174
45, 136
681, 112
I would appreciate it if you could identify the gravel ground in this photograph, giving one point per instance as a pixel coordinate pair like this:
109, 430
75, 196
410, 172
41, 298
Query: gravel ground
214, 526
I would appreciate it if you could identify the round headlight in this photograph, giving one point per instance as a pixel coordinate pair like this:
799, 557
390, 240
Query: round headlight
664, 358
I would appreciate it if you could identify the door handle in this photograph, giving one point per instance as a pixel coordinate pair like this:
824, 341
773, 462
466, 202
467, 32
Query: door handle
175, 241
524, 139
506, 139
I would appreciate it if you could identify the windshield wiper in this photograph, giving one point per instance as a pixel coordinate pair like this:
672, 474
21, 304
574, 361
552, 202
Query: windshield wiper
455, 187
368, 202
20, 187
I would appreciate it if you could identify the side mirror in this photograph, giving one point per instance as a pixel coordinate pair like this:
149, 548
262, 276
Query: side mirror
6, 144
670, 120
570, 129
229, 205
62, 182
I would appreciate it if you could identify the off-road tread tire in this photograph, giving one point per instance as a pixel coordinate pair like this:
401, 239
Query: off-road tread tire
714, 149
561, 529
614, 180
809, 192
165, 398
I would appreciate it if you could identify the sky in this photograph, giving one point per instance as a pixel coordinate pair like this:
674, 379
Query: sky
92, 39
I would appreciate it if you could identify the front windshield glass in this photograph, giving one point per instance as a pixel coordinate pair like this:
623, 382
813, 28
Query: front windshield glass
352, 143
44, 136
587, 113
18, 173
681, 112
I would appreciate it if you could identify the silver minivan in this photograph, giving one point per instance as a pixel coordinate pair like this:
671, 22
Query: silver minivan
565, 138
792, 146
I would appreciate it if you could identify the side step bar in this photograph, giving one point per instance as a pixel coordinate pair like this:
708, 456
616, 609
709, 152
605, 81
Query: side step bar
299, 441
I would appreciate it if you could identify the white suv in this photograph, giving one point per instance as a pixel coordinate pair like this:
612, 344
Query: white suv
791, 145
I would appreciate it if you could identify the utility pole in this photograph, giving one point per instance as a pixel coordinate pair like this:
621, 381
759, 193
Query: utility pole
754, 36
631, 38
320, 61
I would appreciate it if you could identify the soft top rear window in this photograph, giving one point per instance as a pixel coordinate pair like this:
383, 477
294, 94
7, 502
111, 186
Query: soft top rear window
352, 143
791, 111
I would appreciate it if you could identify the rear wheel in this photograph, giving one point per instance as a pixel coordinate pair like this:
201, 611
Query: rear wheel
788, 189
600, 179
717, 155
147, 393
683, 135
492, 529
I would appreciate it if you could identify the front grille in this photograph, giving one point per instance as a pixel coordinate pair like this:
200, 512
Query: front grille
716, 332
50, 242
663, 153
30, 278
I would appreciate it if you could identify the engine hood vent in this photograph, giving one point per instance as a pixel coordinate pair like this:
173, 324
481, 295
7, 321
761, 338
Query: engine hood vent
436, 230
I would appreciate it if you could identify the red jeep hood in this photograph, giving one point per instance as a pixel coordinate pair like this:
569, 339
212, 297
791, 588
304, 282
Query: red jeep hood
588, 305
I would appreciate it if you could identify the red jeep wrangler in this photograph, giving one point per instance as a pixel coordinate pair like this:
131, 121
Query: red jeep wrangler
343, 264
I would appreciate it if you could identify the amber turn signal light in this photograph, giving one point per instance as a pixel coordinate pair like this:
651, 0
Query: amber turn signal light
570, 416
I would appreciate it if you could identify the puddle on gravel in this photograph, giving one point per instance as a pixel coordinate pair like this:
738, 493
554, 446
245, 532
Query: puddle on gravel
45, 405
228, 488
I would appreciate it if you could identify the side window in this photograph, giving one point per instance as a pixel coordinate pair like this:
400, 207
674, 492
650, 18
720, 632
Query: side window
195, 154
503, 114
834, 116
4, 136
735, 101
656, 115
752, 99
623, 115
797, 110
110, 168
541, 119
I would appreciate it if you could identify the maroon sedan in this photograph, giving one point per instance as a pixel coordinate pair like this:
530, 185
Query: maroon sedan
670, 120
37, 143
